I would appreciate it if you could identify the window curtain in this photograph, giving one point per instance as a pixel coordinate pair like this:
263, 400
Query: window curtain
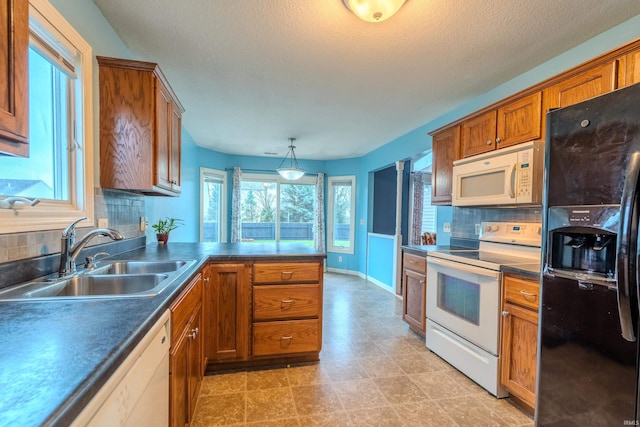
318, 217
236, 224
418, 192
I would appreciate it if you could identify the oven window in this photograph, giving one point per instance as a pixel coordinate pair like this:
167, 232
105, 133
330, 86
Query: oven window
459, 297
484, 184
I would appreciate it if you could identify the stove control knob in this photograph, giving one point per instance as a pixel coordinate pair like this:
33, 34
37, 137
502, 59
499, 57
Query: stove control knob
487, 228
495, 228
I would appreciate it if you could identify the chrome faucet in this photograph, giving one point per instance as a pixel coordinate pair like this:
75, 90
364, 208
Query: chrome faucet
68, 252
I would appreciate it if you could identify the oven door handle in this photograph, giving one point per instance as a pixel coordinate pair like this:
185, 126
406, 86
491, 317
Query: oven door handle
460, 267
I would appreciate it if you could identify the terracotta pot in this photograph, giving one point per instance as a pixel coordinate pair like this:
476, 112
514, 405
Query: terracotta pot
163, 238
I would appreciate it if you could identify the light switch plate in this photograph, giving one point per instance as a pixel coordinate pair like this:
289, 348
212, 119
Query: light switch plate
478, 229
103, 222
446, 227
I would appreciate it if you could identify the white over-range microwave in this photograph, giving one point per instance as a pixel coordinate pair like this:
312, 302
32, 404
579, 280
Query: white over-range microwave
509, 176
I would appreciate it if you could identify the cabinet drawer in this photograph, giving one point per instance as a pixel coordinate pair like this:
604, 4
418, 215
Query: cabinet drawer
285, 302
522, 292
415, 263
291, 336
286, 272
183, 309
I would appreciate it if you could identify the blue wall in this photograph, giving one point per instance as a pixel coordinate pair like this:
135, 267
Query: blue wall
90, 23
381, 260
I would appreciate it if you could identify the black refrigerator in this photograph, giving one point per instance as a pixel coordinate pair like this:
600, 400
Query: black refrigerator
588, 319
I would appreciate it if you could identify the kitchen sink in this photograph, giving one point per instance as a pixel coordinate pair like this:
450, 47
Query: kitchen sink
87, 286
138, 267
115, 279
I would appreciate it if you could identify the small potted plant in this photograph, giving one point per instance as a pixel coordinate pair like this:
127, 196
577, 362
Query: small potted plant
164, 226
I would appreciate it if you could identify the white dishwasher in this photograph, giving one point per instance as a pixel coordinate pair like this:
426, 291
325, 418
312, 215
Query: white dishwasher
137, 394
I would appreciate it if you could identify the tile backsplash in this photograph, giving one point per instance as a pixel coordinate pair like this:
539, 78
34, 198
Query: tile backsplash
122, 209
465, 219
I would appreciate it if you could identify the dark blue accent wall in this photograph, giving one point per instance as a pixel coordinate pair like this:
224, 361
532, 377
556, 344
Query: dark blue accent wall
384, 201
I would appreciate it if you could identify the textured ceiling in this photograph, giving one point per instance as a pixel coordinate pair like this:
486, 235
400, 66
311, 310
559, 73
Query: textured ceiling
252, 73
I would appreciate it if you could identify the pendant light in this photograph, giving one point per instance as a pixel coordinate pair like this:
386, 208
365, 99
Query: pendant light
293, 171
374, 10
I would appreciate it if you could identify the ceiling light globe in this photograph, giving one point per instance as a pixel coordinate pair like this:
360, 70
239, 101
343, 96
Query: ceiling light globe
374, 10
291, 174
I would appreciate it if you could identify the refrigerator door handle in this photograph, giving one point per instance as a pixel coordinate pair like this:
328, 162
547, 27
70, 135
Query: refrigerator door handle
625, 234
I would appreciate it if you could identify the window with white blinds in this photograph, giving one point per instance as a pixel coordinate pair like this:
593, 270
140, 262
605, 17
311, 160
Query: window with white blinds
428, 211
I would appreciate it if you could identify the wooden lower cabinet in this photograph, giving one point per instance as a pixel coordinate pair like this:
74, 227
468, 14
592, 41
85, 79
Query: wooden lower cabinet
414, 287
186, 367
262, 313
287, 309
519, 341
286, 337
226, 302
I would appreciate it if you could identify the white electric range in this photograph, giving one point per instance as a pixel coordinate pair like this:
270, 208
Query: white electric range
464, 294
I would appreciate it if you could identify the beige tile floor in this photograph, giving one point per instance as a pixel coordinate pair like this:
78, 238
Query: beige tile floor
373, 371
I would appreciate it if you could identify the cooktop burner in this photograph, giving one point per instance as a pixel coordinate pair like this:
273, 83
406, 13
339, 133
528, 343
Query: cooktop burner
501, 243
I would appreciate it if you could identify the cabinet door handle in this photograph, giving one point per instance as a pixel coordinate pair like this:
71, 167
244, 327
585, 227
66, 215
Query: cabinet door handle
193, 334
206, 280
286, 275
285, 340
505, 313
532, 296
498, 140
287, 301
489, 142
422, 282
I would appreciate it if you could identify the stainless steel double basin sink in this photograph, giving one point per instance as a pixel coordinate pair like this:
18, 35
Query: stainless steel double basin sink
110, 279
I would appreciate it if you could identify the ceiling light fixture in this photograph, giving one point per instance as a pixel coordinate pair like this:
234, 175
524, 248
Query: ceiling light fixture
292, 172
374, 10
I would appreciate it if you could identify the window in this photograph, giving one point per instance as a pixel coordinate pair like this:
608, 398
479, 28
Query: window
213, 190
59, 169
274, 210
341, 218
428, 211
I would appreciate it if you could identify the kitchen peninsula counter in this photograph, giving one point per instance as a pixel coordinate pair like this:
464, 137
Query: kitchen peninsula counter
56, 354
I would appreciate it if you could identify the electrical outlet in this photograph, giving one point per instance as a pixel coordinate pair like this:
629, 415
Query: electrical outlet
361, 221
143, 223
340, 258
478, 229
446, 227
103, 222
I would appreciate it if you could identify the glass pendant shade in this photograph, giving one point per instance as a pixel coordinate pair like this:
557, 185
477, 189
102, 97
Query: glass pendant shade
293, 171
374, 10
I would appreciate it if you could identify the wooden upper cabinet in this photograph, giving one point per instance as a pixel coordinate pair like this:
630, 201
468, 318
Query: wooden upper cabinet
580, 87
478, 134
629, 69
514, 123
445, 147
14, 66
519, 121
140, 123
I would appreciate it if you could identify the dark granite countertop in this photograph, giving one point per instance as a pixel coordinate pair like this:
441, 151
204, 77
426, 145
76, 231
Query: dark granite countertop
528, 270
425, 249
57, 354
